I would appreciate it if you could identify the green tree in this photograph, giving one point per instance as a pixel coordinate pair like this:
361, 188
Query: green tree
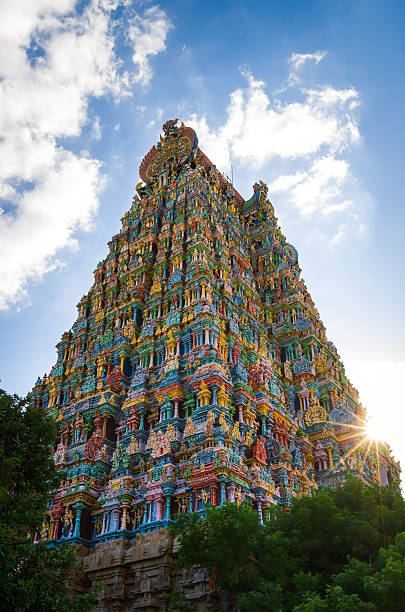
335, 600
365, 586
299, 559
354, 520
32, 577
232, 545
380, 584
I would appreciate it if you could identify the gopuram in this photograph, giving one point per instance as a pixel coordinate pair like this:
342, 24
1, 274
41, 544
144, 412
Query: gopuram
198, 369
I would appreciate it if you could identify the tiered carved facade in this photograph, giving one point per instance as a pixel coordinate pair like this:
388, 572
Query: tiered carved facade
198, 369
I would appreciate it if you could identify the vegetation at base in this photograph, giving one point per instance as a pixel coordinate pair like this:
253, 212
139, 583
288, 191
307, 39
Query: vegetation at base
176, 601
339, 550
32, 577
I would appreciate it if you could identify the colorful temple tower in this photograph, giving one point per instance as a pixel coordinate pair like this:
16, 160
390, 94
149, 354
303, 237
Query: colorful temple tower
198, 369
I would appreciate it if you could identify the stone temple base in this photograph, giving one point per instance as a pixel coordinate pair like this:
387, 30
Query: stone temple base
136, 575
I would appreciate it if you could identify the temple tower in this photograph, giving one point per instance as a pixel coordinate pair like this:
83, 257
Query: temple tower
198, 369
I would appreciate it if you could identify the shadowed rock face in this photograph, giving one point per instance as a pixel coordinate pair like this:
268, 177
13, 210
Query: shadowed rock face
136, 575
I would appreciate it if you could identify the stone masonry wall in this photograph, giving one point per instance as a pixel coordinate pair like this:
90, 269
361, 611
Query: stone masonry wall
136, 575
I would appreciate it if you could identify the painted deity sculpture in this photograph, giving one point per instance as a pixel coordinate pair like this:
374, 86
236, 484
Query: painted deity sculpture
198, 369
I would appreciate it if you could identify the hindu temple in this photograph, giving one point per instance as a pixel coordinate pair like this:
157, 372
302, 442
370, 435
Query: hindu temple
198, 369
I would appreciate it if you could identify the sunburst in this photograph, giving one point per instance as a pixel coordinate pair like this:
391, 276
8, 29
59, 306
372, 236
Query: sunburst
368, 437
373, 430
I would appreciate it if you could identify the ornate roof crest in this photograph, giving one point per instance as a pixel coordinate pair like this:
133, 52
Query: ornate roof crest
176, 146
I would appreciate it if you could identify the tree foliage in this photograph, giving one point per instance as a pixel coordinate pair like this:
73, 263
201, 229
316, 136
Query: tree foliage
32, 577
340, 550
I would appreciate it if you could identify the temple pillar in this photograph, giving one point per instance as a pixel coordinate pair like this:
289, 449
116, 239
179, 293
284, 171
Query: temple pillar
115, 519
176, 408
231, 493
222, 493
159, 509
259, 511
230, 353
124, 516
93, 526
168, 502
263, 423
105, 419
79, 507
214, 399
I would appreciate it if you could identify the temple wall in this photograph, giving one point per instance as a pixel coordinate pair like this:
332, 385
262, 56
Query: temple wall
136, 575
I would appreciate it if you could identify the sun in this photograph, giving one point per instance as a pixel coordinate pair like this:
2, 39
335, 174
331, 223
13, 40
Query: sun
374, 430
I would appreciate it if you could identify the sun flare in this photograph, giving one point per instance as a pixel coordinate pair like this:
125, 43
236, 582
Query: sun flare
373, 430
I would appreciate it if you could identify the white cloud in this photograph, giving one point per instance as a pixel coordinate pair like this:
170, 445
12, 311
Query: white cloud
331, 208
148, 35
308, 130
96, 129
7, 192
258, 129
297, 60
329, 96
53, 60
318, 188
338, 237
47, 220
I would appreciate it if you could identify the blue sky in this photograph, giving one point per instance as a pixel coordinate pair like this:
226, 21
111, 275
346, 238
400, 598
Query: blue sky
307, 96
